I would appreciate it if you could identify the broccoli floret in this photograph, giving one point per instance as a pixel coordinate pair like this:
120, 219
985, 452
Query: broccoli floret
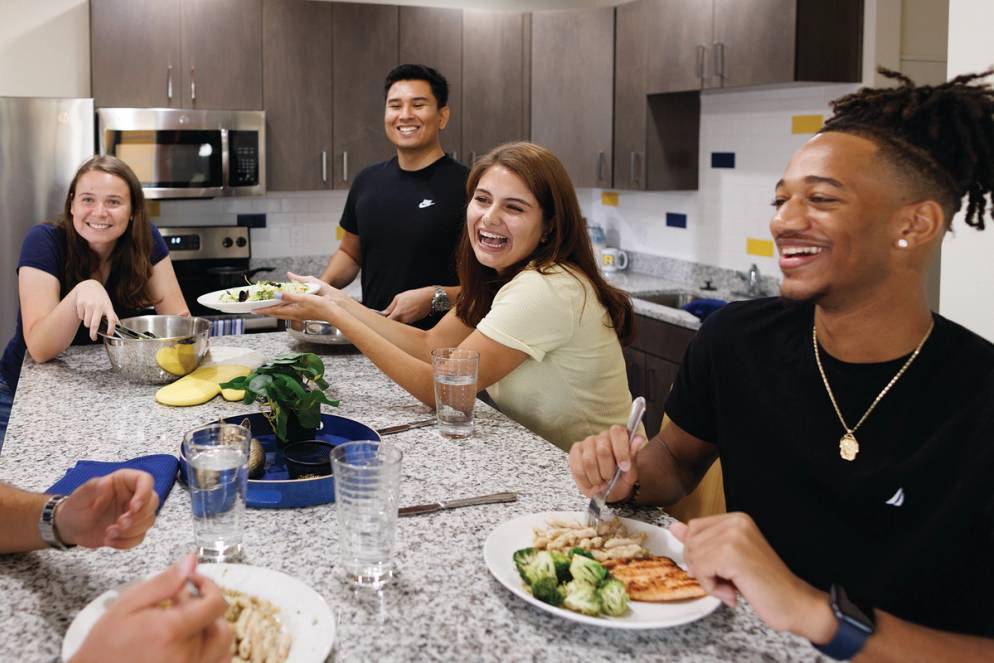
543, 566
580, 551
562, 562
614, 598
547, 591
523, 559
587, 570
583, 598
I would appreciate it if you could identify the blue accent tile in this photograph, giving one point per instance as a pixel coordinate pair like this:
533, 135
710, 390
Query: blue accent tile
674, 220
723, 159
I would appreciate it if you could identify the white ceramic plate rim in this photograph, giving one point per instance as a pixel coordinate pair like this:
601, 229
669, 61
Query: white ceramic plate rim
516, 534
213, 300
302, 610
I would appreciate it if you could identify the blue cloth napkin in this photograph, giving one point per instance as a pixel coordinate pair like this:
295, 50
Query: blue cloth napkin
702, 308
162, 467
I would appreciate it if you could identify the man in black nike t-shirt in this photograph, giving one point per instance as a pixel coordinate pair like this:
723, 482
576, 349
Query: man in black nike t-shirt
855, 427
403, 216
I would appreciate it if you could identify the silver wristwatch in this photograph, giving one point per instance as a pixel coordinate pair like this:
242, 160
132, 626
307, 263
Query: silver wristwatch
440, 300
46, 524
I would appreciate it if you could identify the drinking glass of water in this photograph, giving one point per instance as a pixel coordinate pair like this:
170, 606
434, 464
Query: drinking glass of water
367, 490
455, 371
217, 474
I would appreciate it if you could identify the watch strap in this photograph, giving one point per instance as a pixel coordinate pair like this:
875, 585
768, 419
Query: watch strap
852, 633
46, 524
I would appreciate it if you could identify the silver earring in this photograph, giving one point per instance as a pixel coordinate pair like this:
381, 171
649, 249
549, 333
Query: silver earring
902, 243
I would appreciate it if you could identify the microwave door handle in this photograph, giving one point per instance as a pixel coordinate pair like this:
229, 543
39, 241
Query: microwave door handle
324, 165
345, 166
225, 166
169, 83
193, 85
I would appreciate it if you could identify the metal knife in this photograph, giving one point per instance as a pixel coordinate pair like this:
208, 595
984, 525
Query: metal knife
400, 428
452, 504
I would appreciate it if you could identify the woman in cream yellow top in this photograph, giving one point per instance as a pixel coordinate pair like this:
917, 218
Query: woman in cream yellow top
546, 324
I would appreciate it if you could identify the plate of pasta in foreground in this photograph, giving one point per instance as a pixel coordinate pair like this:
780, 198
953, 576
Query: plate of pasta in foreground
623, 574
273, 616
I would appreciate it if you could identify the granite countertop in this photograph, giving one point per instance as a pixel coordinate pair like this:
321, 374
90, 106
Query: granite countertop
443, 605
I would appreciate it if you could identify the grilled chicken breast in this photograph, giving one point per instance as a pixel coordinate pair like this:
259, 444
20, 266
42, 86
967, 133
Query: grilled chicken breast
654, 579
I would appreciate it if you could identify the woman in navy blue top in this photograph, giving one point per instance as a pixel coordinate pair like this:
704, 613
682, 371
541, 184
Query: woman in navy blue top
101, 259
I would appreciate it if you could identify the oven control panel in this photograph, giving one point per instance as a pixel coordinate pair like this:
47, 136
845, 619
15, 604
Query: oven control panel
207, 242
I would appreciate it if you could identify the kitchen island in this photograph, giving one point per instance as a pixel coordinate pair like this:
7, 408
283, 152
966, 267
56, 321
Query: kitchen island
443, 604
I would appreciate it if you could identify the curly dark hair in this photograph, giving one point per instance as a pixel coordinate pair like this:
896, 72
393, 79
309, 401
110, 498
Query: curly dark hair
941, 136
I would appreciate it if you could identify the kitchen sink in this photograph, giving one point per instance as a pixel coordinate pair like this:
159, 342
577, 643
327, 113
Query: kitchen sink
664, 298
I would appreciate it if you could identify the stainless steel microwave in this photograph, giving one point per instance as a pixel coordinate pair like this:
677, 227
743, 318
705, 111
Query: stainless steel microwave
179, 153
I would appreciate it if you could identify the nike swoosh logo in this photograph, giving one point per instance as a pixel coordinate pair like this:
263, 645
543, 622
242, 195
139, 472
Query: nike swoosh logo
425, 203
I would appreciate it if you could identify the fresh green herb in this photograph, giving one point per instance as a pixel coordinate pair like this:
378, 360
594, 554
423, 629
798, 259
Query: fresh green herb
290, 383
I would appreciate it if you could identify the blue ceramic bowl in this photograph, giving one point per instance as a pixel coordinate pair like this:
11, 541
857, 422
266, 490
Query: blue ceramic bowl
276, 489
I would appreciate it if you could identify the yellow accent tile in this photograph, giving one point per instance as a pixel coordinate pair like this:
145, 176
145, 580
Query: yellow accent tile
806, 124
609, 198
339, 233
151, 208
759, 247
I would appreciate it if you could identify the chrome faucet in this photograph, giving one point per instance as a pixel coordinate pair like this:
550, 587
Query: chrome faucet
752, 279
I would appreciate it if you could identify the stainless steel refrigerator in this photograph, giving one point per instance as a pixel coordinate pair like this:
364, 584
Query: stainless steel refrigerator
42, 143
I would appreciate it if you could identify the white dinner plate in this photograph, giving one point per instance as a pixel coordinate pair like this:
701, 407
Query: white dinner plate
213, 299
302, 610
515, 534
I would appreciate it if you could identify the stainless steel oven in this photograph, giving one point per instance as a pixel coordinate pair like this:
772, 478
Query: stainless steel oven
209, 258
179, 153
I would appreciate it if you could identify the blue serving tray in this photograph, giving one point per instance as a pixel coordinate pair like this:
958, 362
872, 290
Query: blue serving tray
275, 489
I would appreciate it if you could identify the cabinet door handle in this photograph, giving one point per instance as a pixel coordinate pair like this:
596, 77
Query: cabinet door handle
169, 83
193, 85
640, 171
631, 168
345, 166
324, 165
600, 166
472, 157
719, 59
701, 55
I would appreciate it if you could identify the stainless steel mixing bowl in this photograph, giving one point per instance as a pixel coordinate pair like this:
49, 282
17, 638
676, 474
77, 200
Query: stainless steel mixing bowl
179, 345
317, 331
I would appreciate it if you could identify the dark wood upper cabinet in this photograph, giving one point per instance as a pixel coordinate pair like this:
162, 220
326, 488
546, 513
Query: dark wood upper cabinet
699, 44
572, 90
135, 53
364, 45
495, 80
433, 37
297, 94
222, 54
630, 86
177, 53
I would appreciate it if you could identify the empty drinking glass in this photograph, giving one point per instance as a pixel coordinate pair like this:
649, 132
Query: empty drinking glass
455, 371
367, 489
216, 471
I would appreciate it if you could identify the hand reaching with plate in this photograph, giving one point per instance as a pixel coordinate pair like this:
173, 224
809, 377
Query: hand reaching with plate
303, 307
729, 555
160, 620
594, 460
114, 510
324, 290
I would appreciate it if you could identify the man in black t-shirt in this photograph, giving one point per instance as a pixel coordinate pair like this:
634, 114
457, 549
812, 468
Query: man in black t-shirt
854, 426
403, 217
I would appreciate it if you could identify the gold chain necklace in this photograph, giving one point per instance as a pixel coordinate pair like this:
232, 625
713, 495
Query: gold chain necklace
848, 446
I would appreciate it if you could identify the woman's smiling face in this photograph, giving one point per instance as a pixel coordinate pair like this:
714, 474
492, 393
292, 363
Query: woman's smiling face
101, 207
503, 220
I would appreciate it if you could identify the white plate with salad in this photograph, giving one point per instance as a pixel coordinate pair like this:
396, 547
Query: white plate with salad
248, 298
509, 537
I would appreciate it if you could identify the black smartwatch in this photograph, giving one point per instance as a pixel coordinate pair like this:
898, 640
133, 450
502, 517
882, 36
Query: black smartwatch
856, 624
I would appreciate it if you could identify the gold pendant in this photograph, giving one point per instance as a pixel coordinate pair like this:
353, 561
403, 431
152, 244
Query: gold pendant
848, 446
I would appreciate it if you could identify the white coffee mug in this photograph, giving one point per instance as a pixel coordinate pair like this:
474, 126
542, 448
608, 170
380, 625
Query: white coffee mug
613, 260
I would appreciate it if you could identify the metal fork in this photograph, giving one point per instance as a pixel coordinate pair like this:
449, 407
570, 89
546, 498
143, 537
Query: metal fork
599, 502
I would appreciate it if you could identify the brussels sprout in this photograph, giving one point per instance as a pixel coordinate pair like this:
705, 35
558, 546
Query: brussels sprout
587, 570
583, 598
547, 591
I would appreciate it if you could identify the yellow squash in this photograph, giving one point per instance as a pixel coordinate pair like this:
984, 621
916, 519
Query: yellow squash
202, 385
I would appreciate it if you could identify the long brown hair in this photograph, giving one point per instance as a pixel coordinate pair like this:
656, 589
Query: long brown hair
565, 240
130, 263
